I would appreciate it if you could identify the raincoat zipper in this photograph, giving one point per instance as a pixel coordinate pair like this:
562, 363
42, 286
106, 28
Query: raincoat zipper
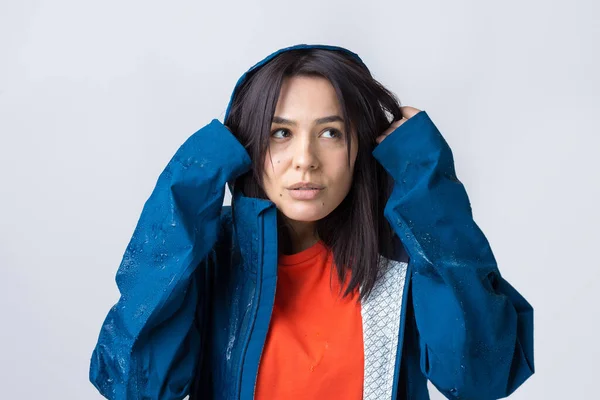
262, 349
261, 240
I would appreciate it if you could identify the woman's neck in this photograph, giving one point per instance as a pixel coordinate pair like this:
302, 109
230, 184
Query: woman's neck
295, 236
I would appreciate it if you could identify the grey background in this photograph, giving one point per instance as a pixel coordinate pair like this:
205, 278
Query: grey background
95, 97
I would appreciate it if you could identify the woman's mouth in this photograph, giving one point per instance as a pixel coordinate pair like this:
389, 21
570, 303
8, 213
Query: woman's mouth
305, 193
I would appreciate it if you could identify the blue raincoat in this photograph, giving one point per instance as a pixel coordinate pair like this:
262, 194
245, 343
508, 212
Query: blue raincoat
197, 283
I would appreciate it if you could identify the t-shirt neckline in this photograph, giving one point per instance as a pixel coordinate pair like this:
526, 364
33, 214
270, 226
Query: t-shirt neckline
302, 256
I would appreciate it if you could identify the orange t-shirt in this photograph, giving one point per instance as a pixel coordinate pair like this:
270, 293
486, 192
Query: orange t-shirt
314, 347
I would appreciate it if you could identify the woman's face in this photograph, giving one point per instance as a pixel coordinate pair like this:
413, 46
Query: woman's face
308, 146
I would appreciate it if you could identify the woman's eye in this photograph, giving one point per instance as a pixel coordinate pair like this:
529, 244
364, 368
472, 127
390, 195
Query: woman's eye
334, 133
279, 133
284, 133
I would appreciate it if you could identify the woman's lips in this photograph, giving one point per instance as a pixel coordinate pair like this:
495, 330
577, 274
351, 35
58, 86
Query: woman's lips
304, 194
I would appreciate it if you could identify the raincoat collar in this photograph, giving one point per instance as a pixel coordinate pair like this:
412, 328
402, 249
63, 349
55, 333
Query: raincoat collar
249, 205
249, 225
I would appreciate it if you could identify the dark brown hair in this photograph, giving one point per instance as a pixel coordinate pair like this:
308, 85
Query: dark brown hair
356, 231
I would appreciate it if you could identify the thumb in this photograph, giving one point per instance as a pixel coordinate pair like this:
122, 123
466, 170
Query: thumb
408, 112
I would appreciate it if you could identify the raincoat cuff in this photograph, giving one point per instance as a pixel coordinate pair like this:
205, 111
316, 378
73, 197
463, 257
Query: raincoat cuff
214, 145
417, 142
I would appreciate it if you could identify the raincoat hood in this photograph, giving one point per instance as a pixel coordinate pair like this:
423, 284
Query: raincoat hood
268, 58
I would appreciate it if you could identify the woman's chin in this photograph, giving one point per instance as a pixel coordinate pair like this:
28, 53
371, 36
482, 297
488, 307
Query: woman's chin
305, 212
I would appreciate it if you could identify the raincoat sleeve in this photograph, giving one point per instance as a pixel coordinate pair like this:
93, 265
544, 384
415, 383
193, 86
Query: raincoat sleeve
148, 344
475, 330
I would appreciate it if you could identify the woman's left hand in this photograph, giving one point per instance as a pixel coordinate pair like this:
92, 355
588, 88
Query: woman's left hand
407, 112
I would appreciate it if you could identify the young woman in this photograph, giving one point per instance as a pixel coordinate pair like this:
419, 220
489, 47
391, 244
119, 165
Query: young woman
347, 267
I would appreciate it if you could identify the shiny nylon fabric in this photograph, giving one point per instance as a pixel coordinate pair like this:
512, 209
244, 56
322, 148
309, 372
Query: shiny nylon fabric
150, 341
475, 331
197, 280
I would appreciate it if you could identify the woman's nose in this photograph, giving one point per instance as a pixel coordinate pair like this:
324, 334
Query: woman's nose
305, 156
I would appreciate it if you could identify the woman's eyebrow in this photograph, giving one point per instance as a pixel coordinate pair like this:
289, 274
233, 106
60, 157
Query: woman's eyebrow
324, 120
331, 118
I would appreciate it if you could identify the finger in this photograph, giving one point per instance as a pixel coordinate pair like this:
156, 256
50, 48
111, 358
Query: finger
408, 111
394, 125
